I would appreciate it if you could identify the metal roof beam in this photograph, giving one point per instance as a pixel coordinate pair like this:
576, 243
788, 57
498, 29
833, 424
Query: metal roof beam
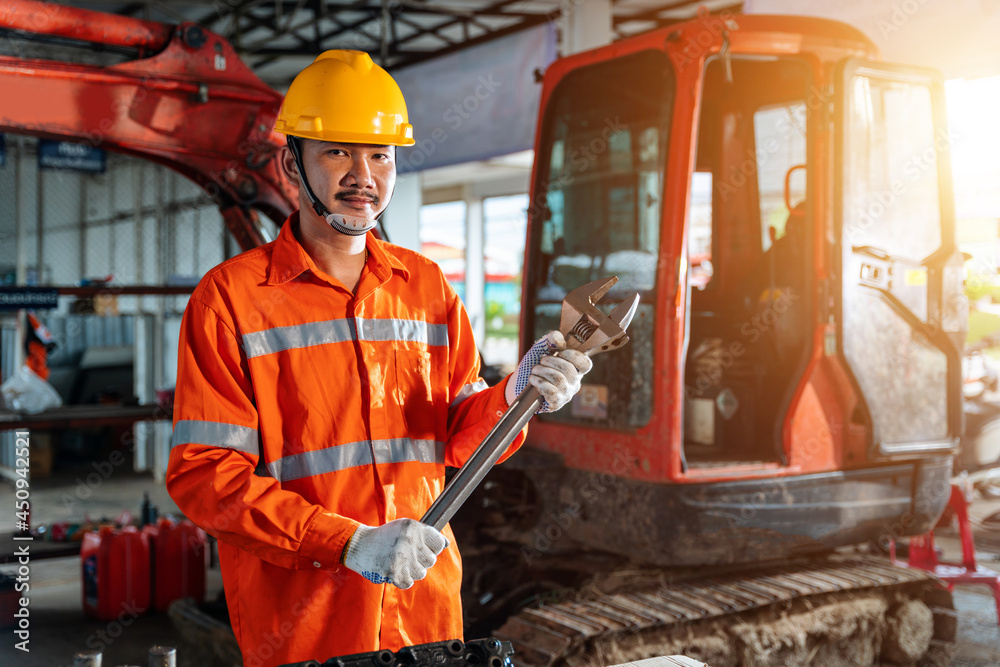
413, 57
496, 6
424, 30
654, 14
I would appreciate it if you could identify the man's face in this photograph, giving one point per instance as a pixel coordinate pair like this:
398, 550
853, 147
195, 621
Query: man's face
350, 179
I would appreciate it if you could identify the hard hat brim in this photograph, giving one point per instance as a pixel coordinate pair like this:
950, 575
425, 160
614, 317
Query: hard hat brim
354, 137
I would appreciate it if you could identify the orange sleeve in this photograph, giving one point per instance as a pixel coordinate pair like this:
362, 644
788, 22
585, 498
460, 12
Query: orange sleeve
475, 408
215, 450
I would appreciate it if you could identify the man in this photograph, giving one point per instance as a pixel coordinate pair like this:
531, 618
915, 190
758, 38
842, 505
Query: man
343, 369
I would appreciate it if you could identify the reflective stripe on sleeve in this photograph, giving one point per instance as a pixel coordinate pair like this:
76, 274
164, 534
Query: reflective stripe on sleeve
354, 454
278, 339
469, 390
215, 434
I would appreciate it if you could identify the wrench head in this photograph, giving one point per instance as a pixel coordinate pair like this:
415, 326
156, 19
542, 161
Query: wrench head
586, 328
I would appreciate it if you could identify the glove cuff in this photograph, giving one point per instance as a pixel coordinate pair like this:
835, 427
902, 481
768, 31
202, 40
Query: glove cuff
518, 380
347, 545
509, 393
349, 555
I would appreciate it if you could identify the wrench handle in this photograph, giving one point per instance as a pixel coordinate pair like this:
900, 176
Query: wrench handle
490, 449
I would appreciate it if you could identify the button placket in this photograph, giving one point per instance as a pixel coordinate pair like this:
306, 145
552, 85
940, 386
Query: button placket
377, 425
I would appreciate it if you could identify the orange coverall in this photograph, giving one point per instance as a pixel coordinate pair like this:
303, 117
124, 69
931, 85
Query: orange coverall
301, 410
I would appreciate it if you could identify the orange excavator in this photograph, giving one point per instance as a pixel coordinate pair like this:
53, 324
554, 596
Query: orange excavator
790, 400
724, 486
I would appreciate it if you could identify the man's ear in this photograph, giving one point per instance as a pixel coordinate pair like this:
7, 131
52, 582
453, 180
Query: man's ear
288, 166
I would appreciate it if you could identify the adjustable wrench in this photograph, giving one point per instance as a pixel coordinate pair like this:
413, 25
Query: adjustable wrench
586, 329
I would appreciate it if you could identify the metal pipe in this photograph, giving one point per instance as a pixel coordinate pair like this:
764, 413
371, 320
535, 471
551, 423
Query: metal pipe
82, 223
482, 460
138, 224
40, 221
475, 263
20, 211
123, 290
83, 24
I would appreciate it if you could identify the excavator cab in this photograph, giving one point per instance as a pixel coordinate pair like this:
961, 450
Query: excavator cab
790, 396
781, 202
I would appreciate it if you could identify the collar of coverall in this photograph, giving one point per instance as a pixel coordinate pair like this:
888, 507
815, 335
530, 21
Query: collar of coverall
289, 259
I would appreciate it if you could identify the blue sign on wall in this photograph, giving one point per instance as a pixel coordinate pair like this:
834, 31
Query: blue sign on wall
67, 155
3, 150
14, 298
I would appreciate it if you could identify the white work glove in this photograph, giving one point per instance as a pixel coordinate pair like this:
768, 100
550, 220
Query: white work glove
557, 379
398, 553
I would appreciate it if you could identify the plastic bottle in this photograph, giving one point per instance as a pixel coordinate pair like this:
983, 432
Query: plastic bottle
148, 512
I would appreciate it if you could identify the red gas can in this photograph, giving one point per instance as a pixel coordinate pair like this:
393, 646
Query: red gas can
179, 551
115, 567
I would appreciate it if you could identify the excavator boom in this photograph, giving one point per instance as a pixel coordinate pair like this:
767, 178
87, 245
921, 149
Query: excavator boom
184, 100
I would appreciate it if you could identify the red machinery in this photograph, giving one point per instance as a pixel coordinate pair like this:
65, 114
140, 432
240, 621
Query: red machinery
185, 100
790, 400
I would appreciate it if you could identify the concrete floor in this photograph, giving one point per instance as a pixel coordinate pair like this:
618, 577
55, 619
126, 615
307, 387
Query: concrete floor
59, 628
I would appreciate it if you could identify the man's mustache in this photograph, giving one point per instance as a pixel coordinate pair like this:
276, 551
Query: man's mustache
344, 194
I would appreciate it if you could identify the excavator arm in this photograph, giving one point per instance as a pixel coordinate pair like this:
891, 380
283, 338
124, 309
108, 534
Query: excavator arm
186, 101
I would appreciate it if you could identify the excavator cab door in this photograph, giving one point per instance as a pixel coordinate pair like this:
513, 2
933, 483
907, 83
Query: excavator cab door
902, 313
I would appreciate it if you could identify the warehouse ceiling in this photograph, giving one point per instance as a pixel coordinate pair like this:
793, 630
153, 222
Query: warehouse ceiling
278, 37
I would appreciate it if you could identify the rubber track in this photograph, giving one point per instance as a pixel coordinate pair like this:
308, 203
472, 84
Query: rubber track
543, 635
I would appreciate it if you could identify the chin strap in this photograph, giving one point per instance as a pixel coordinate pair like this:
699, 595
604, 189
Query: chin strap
345, 224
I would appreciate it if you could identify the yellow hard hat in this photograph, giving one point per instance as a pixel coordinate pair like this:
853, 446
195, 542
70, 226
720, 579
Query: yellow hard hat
345, 97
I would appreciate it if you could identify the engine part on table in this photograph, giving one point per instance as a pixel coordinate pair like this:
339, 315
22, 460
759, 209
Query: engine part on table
159, 656
163, 656
453, 653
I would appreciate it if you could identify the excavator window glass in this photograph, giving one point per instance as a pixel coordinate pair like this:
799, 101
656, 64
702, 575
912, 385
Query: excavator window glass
778, 164
892, 198
780, 138
598, 200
